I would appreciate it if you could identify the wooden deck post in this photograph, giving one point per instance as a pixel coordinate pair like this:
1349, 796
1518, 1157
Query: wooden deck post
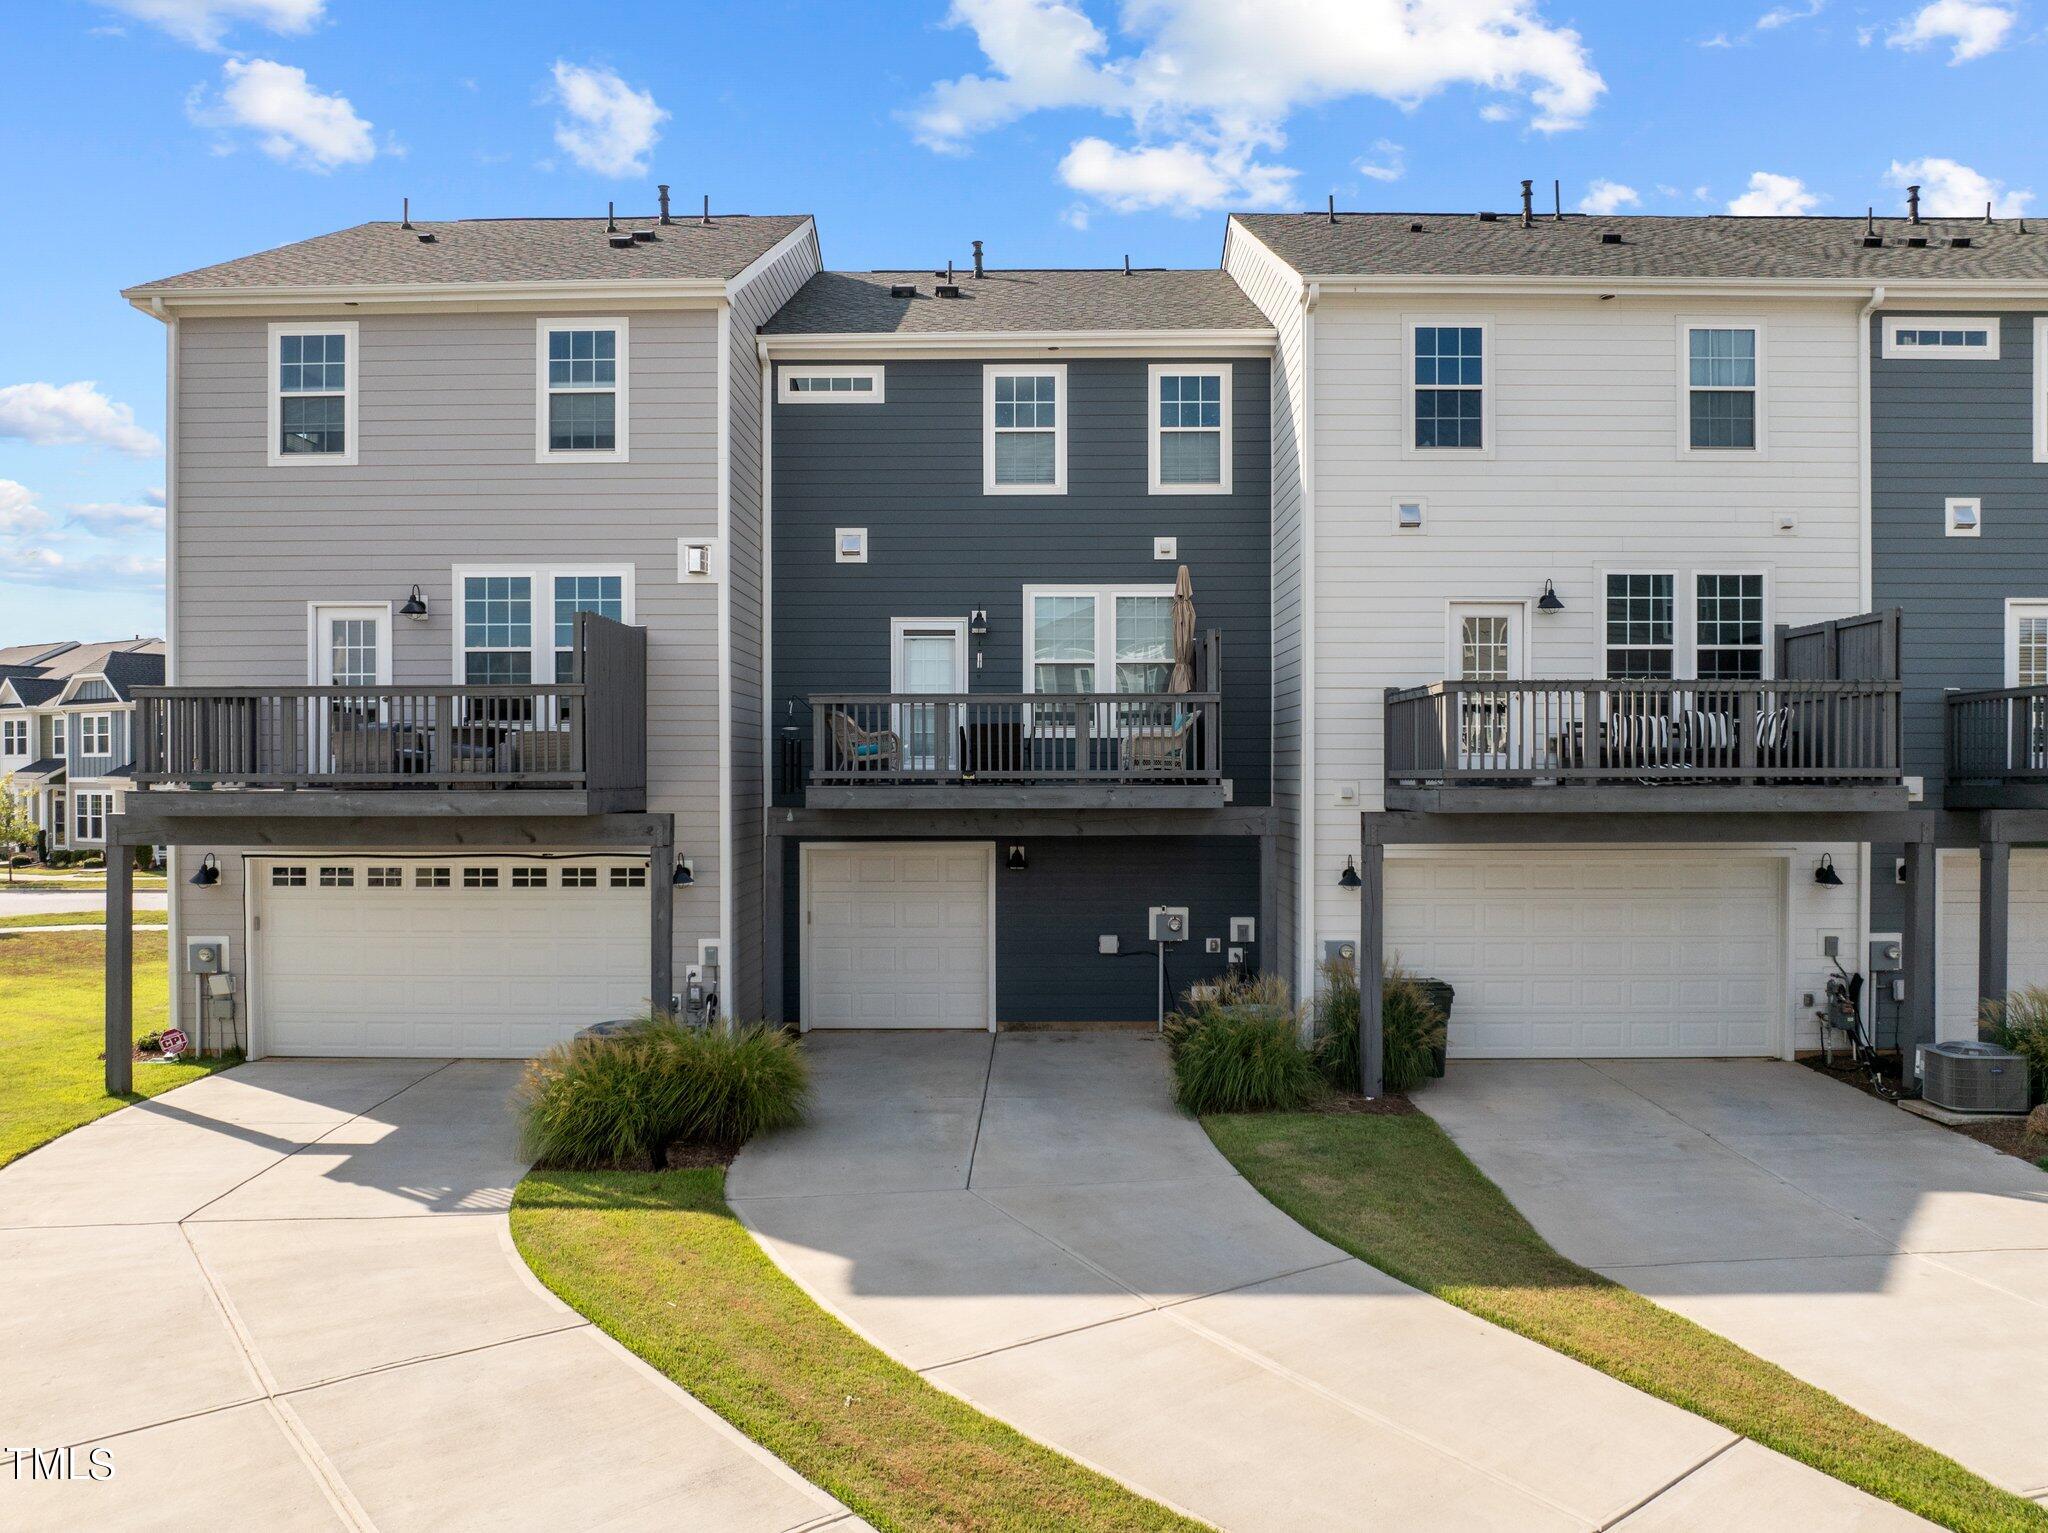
1994, 913
120, 981
1916, 1019
661, 895
1372, 930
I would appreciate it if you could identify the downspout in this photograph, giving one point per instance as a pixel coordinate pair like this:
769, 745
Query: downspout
1305, 827
1864, 559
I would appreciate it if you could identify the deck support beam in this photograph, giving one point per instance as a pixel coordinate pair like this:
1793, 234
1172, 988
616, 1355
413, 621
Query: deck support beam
1994, 915
1916, 1018
1372, 959
120, 956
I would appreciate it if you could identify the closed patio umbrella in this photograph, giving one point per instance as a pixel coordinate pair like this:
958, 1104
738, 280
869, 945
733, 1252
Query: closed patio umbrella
1183, 633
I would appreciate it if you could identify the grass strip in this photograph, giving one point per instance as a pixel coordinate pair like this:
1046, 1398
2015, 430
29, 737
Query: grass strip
36, 919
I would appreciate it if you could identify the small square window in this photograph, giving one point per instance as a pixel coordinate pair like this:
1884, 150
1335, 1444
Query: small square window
337, 878
385, 878
529, 878
850, 545
479, 878
579, 878
287, 878
1965, 516
629, 878
430, 878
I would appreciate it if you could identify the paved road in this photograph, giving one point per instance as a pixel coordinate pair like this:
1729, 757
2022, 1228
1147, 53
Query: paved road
286, 1297
22, 902
1893, 1263
1028, 1221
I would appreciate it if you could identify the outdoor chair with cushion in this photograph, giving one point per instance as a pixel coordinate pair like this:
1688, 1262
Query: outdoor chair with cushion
1164, 748
864, 750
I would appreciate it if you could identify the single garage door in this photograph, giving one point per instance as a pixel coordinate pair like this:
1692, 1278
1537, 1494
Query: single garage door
898, 935
1955, 954
1573, 953
463, 956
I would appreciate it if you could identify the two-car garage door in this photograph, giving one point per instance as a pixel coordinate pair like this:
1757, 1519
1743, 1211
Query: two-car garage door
1573, 953
476, 957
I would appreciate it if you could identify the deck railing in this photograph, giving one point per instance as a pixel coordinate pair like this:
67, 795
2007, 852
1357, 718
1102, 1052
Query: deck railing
1073, 738
1530, 733
1998, 736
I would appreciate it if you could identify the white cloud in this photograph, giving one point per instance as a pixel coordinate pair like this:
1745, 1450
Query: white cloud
1075, 215
1608, 197
19, 512
1207, 86
1972, 28
1496, 111
610, 127
1774, 196
113, 517
292, 121
37, 564
203, 23
1785, 15
1389, 162
59, 414
1950, 190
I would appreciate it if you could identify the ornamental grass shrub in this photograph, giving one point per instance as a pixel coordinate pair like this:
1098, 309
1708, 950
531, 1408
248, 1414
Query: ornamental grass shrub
1411, 1024
1235, 1046
2020, 1023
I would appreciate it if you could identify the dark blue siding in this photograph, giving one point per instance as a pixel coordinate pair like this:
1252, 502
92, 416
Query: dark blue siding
910, 471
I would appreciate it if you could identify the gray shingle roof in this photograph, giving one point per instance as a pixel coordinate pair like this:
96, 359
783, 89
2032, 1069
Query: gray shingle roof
498, 250
1460, 244
858, 303
132, 669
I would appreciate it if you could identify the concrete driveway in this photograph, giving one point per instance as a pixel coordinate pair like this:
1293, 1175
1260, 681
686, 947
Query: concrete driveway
286, 1297
1895, 1264
1029, 1222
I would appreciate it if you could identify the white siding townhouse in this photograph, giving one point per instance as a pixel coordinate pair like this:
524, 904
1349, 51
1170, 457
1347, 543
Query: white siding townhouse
67, 732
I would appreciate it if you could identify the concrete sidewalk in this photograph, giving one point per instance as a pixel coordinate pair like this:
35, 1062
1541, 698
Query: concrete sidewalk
28, 902
1028, 1221
286, 1297
1893, 1263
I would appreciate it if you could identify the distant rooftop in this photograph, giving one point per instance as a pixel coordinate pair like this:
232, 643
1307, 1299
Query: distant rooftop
500, 250
1009, 301
1720, 246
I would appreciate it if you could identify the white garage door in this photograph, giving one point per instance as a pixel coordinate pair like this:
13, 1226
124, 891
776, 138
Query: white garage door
463, 956
1955, 955
1572, 953
898, 935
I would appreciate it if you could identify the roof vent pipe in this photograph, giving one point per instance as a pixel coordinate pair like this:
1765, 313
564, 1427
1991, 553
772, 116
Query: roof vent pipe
706, 220
1913, 204
1127, 263
977, 260
1528, 205
1987, 212
1557, 200
663, 190
611, 218
1333, 207
405, 218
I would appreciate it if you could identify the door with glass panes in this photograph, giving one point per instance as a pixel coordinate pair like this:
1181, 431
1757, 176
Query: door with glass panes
351, 650
930, 659
1486, 645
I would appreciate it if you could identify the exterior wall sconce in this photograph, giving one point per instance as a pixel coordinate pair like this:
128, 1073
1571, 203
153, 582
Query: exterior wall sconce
1825, 875
1549, 601
415, 607
685, 876
1016, 862
1349, 878
209, 872
977, 623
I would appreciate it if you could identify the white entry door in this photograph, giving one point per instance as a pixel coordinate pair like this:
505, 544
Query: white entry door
1486, 645
899, 934
351, 646
927, 655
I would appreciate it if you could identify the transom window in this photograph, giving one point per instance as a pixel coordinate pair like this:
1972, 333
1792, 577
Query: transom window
1728, 622
312, 395
89, 813
1077, 635
1939, 336
1190, 430
1450, 386
96, 734
1025, 448
1721, 388
602, 594
1640, 626
14, 737
497, 630
582, 389
831, 385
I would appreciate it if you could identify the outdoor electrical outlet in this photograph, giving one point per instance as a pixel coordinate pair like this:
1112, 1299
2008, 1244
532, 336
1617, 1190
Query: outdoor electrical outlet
1213, 945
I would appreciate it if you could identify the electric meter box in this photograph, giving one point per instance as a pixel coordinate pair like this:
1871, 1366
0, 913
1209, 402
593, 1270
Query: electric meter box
1169, 923
205, 955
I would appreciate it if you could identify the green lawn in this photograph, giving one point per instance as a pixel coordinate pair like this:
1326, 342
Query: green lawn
50, 1035
1396, 1192
37, 918
660, 1262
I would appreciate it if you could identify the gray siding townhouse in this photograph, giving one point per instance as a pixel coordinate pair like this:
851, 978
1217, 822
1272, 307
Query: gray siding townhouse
1959, 543
461, 749
67, 744
985, 488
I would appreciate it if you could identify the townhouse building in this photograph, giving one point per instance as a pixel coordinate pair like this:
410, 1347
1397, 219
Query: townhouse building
67, 742
1020, 633
460, 750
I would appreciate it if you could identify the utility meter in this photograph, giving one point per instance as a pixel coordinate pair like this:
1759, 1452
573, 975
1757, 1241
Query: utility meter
1169, 923
205, 955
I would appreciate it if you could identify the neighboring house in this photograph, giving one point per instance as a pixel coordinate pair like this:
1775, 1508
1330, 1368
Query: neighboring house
983, 488
464, 583
67, 731
1594, 717
1959, 499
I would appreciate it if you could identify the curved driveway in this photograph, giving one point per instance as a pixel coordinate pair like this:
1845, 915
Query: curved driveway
286, 1297
1028, 1221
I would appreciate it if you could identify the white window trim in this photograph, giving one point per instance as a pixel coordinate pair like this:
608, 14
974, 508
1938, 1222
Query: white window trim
1685, 626
2040, 389
102, 803
1483, 323
1766, 649
16, 728
85, 722
2017, 607
791, 396
1686, 325
1948, 516
621, 388
542, 647
1105, 627
379, 610
989, 373
1894, 323
1154, 431
352, 379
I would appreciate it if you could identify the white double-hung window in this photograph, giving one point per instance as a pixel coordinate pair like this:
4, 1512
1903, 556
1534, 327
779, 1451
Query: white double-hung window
582, 391
89, 813
313, 392
1721, 365
13, 737
1081, 640
96, 734
519, 626
1024, 429
1190, 438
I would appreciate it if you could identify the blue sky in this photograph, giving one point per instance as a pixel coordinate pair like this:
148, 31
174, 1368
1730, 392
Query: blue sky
144, 137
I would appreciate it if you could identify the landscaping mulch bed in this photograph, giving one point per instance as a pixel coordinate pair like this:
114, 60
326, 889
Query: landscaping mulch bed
1351, 1104
2005, 1134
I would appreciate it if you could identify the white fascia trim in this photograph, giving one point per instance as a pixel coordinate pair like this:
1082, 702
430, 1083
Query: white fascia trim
1089, 343
754, 270
1985, 289
1864, 492
700, 292
172, 879
1305, 830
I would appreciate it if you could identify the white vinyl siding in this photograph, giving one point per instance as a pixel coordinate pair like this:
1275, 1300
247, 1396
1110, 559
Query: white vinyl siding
314, 373
584, 391
1024, 429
